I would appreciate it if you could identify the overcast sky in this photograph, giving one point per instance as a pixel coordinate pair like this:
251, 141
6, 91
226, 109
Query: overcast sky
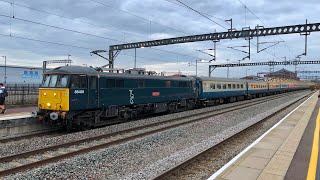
77, 27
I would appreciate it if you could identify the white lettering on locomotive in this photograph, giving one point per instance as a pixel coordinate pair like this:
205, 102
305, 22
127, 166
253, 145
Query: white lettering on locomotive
131, 96
78, 91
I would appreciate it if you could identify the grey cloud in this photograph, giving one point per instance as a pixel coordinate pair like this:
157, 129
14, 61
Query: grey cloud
272, 12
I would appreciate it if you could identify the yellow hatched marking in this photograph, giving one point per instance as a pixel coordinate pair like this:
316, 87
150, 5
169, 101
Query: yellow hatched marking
312, 171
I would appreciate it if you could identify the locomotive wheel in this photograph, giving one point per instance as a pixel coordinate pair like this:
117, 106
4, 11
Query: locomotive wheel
190, 105
172, 108
125, 116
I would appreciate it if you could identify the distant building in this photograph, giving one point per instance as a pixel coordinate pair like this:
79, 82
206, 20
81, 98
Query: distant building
282, 74
21, 74
256, 78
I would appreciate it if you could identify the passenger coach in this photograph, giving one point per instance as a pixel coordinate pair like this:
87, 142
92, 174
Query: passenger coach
211, 90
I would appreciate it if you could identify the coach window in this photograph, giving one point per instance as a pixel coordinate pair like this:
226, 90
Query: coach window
238, 86
241, 86
218, 86
233, 86
224, 86
212, 86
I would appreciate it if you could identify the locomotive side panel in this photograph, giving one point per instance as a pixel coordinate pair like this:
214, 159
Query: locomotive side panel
131, 91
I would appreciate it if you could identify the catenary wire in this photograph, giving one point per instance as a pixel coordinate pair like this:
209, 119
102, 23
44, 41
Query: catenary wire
203, 15
87, 34
265, 25
104, 37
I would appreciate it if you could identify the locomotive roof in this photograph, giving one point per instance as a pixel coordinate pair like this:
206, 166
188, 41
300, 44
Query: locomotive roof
92, 71
72, 70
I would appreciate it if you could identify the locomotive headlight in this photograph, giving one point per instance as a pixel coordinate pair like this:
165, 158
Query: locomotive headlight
44, 94
54, 94
48, 104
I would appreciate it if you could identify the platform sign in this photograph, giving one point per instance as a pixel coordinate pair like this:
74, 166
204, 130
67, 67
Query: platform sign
31, 76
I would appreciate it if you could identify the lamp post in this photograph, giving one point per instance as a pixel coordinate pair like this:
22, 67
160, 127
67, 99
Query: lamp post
197, 66
135, 57
198, 61
247, 72
228, 60
5, 69
69, 58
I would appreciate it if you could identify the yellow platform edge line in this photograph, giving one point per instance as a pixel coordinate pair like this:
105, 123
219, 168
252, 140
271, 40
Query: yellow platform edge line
312, 170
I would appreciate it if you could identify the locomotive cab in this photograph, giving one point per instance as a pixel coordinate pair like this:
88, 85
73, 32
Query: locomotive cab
62, 93
54, 93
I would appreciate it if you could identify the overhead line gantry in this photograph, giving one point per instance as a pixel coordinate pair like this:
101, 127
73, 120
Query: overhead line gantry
232, 34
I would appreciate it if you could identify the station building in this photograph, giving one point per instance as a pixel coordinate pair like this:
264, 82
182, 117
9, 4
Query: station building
21, 74
282, 74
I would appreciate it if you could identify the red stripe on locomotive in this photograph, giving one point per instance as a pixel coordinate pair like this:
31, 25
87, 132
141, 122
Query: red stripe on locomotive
155, 93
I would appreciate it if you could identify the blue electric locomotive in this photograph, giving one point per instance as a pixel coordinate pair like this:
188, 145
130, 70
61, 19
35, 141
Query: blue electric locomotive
83, 97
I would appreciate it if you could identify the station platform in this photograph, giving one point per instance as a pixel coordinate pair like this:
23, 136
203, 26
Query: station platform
289, 150
16, 121
17, 112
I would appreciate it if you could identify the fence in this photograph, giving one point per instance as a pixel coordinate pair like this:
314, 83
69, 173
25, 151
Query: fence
22, 94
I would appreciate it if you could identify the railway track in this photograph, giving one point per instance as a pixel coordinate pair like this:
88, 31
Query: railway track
43, 133
40, 133
202, 156
35, 158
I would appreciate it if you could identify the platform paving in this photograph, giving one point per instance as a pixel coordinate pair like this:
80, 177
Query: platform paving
271, 157
17, 112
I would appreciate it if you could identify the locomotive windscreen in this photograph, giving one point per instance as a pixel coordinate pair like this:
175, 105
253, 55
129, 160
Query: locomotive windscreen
60, 81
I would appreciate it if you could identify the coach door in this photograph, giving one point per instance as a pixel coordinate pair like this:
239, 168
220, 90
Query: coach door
93, 92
